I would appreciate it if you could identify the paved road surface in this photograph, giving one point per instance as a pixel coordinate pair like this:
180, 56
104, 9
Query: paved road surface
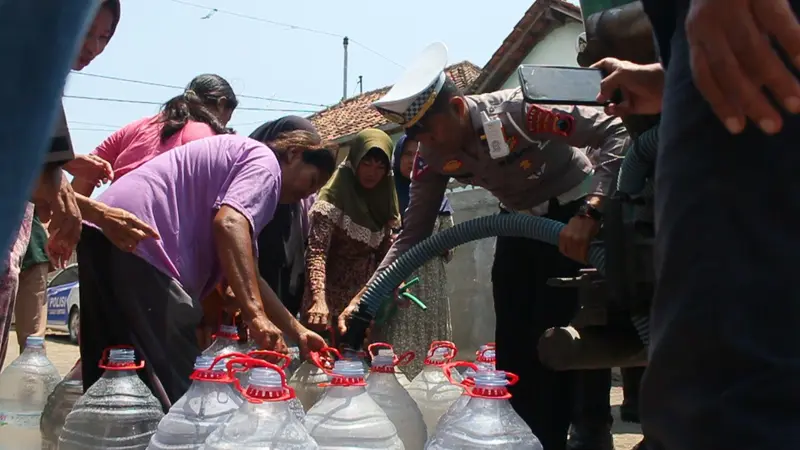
63, 354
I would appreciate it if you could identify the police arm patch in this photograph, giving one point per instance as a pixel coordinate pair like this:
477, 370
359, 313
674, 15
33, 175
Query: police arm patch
420, 167
546, 121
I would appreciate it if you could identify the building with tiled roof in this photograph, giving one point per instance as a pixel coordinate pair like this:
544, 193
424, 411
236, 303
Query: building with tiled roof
341, 122
546, 34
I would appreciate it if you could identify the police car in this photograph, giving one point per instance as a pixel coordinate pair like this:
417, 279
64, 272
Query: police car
63, 304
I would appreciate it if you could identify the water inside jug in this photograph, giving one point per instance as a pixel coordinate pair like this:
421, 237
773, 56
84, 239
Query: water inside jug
265, 421
283, 361
210, 401
431, 389
116, 412
488, 421
346, 416
59, 404
24, 388
308, 377
225, 341
385, 388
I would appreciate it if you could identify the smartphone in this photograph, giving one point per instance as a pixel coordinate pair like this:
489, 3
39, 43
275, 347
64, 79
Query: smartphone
556, 85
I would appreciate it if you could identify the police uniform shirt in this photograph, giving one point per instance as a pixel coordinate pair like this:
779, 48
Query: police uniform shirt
562, 152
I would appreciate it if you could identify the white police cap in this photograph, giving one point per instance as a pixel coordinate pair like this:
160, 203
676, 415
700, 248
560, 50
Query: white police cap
415, 91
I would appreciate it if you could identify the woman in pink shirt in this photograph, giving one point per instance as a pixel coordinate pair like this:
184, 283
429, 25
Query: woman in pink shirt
202, 110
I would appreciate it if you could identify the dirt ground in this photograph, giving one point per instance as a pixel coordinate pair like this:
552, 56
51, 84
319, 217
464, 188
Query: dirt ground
64, 354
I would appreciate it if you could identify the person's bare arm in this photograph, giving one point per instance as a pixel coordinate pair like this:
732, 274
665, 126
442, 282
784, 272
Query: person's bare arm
278, 313
82, 187
234, 242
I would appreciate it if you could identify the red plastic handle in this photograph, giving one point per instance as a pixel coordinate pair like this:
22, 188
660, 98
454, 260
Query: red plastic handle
378, 345
401, 360
500, 393
325, 358
249, 363
102, 363
284, 358
448, 372
480, 355
435, 345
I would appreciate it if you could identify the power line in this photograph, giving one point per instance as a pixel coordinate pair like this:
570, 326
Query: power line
146, 102
290, 26
170, 86
95, 124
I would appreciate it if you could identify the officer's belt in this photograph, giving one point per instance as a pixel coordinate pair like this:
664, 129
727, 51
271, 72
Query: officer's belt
578, 192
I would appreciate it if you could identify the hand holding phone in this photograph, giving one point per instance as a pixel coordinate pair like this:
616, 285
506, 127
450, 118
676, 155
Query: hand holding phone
554, 85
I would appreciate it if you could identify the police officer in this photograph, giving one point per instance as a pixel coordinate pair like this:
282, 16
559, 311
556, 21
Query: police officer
556, 162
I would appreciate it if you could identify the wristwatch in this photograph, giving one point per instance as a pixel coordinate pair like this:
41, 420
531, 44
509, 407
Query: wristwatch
590, 211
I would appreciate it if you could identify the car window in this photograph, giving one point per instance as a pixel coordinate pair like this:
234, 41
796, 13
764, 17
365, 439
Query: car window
68, 275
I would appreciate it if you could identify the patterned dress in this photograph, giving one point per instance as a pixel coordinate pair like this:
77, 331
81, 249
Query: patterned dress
414, 329
9, 278
341, 257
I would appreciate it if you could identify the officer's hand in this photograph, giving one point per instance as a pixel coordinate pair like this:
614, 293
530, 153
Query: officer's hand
733, 59
575, 237
642, 87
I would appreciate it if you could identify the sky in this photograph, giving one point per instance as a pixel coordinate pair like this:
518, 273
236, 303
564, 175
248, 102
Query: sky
283, 50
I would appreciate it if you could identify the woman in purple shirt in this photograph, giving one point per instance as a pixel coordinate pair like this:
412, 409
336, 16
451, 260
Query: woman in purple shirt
207, 200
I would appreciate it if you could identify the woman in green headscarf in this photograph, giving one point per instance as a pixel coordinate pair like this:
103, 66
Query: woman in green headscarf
351, 228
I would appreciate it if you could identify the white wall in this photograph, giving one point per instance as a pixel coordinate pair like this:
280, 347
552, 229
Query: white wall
559, 48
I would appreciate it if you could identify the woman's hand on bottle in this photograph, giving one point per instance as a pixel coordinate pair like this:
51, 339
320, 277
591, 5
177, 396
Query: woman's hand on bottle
124, 229
310, 341
318, 316
267, 335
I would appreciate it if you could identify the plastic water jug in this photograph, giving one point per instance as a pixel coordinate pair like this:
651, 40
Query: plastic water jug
59, 404
283, 362
431, 389
308, 377
401, 377
346, 417
468, 381
384, 387
487, 421
265, 421
225, 341
116, 412
210, 401
24, 387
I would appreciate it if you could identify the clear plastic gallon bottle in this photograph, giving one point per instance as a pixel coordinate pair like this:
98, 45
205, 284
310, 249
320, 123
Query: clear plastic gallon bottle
210, 402
225, 341
59, 404
24, 387
401, 377
116, 412
308, 377
468, 381
488, 421
283, 362
265, 421
384, 387
346, 417
431, 389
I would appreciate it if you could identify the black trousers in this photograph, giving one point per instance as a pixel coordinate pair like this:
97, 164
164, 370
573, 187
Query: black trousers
725, 345
126, 301
525, 307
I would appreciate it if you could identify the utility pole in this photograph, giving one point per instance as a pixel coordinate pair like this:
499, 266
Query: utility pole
344, 81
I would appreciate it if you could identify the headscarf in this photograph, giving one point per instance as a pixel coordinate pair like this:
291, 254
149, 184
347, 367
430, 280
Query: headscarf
403, 185
281, 244
373, 208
